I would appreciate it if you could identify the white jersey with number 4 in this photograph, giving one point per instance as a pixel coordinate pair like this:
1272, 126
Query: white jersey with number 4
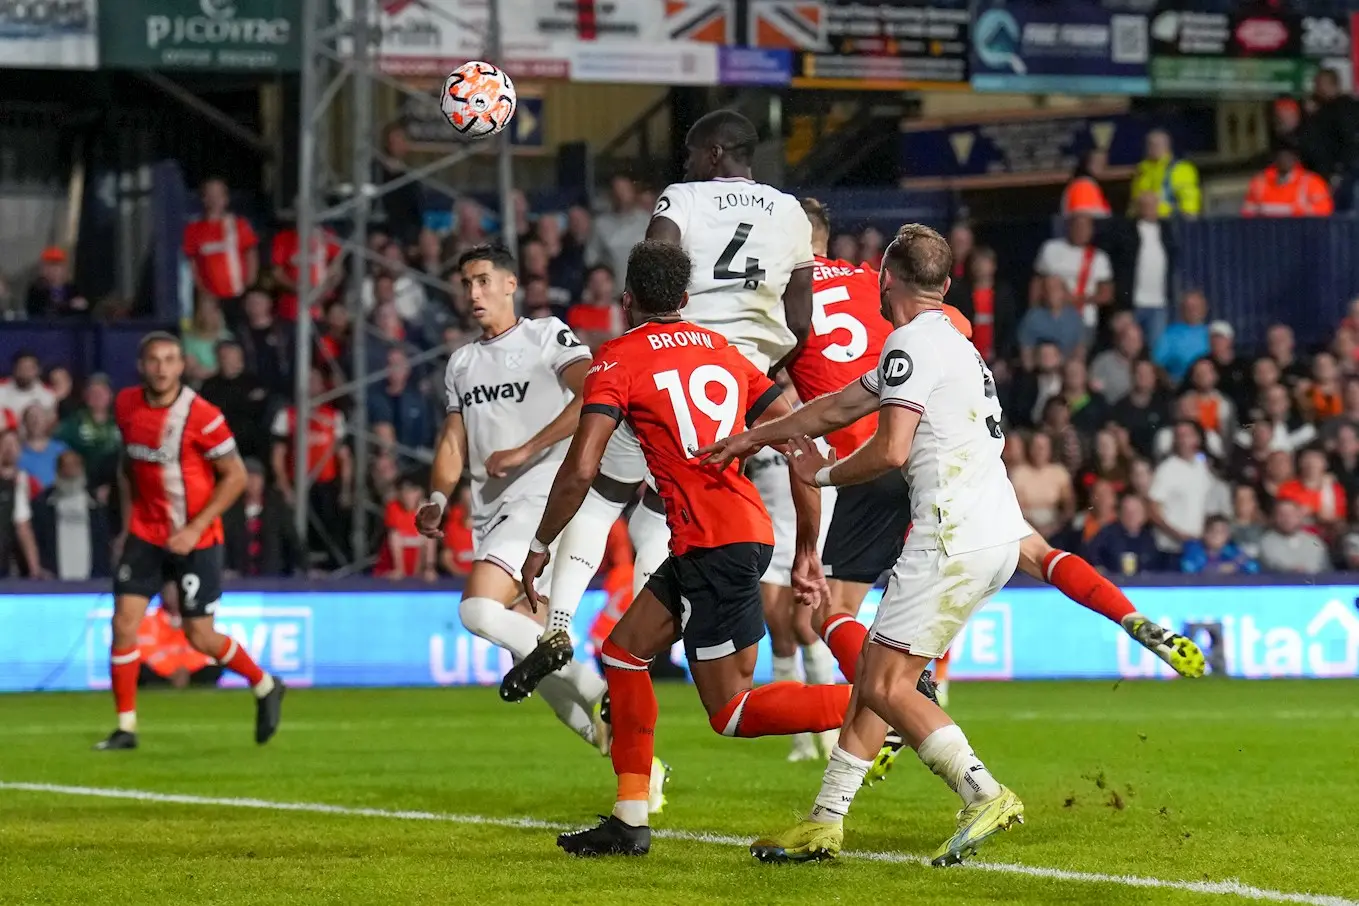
745, 239
961, 496
508, 389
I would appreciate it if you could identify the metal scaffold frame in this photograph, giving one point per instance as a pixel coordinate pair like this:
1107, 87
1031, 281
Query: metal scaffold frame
339, 61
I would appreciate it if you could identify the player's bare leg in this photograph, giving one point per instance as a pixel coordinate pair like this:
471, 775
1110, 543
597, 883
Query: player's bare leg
778, 618
268, 690
124, 667
1082, 583
491, 609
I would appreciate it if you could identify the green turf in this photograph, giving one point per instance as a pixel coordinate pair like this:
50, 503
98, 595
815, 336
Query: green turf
1207, 781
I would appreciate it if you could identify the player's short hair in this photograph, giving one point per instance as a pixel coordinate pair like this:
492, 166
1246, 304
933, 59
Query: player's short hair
494, 252
816, 212
658, 276
919, 257
729, 130
155, 338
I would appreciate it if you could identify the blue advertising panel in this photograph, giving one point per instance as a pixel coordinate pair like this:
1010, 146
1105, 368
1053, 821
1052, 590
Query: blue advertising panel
754, 66
413, 638
1070, 46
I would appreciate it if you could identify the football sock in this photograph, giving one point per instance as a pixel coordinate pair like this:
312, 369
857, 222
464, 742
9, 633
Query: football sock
237, 660
818, 664
124, 665
580, 550
1080, 582
559, 695
782, 709
785, 669
585, 684
492, 621
845, 636
633, 710
843, 777
947, 753
651, 541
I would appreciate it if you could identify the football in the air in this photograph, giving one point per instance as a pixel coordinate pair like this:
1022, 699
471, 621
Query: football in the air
478, 99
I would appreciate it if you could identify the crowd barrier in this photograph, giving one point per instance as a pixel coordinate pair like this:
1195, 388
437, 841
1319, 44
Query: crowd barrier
373, 633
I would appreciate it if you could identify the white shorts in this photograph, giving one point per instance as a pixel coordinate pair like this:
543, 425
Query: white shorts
623, 460
503, 533
768, 471
931, 595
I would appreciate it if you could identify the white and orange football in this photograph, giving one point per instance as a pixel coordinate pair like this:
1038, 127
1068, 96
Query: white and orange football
479, 99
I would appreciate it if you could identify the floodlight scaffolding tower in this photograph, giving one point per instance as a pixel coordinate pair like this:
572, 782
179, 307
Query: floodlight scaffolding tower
339, 54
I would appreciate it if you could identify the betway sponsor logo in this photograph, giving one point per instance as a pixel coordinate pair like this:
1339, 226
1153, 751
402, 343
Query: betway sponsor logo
143, 453
509, 392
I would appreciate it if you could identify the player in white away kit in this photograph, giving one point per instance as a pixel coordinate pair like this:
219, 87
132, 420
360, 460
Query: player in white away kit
939, 419
513, 403
751, 246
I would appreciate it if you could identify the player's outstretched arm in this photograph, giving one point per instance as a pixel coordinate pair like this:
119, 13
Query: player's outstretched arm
450, 453
499, 463
887, 449
797, 312
821, 416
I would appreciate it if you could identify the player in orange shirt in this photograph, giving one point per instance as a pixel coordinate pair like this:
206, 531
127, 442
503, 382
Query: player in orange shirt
681, 386
180, 472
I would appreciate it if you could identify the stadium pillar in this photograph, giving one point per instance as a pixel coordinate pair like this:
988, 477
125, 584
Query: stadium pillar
361, 142
306, 186
495, 50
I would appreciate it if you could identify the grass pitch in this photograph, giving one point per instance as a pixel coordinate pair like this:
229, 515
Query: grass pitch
1224, 790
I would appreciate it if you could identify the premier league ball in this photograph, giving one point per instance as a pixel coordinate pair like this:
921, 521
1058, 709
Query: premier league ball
479, 99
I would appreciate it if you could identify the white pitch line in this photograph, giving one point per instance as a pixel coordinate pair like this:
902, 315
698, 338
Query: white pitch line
1227, 888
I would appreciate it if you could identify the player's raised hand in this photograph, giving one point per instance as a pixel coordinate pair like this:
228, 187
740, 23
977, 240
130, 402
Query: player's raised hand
429, 519
809, 579
501, 462
534, 564
807, 460
727, 449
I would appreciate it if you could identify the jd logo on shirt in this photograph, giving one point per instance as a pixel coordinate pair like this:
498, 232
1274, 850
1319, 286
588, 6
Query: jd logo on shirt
568, 339
897, 368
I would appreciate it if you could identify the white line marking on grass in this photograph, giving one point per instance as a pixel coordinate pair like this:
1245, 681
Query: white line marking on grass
1227, 888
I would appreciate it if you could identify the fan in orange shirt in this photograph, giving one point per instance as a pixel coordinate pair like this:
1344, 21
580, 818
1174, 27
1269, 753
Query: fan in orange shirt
406, 552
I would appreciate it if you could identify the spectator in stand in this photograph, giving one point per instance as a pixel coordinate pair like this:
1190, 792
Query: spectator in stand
1348, 551
469, 226
1234, 376
52, 294
260, 537
323, 262
1088, 411
90, 431
58, 380
1184, 491
1142, 477
397, 412
1329, 137
1288, 548
1044, 488
1053, 320
1144, 256
988, 303
23, 389
1108, 464
1278, 472
1216, 555
618, 230
1111, 371
406, 553
1186, 341
329, 461
1174, 182
206, 330
1035, 385
332, 343
1084, 269
458, 548
71, 526
565, 264
431, 263
1349, 411
1322, 397
846, 248
1083, 194
580, 227
523, 219
871, 246
1212, 410
267, 344
1126, 547
1145, 410
222, 249
1317, 493
1282, 347
41, 450
1067, 444
398, 287
388, 332
1248, 521
18, 548
1291, 433
243, 399
1287, 189
1247, 464
403, 205
1345, 460
597, 317
533, 265
1187, 409
537, 302
961, 241
1103, 512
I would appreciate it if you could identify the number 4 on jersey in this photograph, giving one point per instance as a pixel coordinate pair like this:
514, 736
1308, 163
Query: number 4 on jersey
753, 273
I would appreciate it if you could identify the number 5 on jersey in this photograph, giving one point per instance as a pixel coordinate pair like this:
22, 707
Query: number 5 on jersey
823, 323
722, 411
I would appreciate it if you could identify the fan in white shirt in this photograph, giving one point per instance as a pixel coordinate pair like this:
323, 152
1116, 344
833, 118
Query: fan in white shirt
1086, 270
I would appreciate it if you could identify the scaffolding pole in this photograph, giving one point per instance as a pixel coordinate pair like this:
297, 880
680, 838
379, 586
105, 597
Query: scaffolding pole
306, 182
361, 142
509, 226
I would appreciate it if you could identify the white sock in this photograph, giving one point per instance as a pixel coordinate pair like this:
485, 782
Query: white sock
557, 691
127, 721
651, 540
492, 621
587, 685
785, 669
632, 812
818, 664
264, 686
947, 753
842, 779
580, 550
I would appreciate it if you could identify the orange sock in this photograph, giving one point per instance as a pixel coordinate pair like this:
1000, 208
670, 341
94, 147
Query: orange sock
844, 636
941, 667
234, 658
1082, 583
124, 665
782, 709
633, 711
